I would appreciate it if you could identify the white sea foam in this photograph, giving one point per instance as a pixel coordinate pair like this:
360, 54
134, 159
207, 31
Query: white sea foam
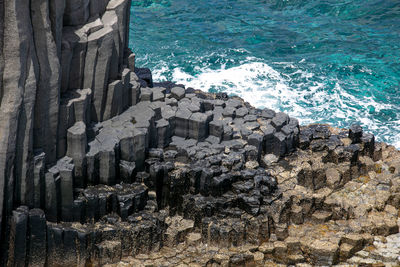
262, 86
256, 82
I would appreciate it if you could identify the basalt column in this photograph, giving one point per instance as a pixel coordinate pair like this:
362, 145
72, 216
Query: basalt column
18, 94
57, 61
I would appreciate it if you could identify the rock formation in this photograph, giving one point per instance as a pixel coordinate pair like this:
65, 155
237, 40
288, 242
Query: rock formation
102, 166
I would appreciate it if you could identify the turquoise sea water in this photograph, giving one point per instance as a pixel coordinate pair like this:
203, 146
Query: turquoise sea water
332, 61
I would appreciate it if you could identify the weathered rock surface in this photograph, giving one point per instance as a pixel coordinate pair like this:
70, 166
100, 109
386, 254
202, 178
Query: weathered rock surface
100, 166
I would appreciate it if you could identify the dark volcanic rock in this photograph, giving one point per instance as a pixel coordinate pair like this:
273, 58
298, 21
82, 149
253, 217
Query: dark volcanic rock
155, 174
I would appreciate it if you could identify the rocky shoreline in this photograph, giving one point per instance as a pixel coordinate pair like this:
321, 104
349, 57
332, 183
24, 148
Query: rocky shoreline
102, 166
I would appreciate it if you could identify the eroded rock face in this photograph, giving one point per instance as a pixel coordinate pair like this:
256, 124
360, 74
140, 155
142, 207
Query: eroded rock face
102, 166
142, 188
42, 63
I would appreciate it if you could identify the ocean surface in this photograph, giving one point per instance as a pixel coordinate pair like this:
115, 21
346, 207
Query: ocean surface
332, 61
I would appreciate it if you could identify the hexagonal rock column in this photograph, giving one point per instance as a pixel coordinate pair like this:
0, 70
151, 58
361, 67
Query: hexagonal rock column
77, 146
163, 133
114, 102
97, 67
198, 126
178, 93
18, 231
182, 122
37, 238
66, 169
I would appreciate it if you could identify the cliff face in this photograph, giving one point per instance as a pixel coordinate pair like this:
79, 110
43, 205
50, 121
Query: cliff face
49, 51
99, 165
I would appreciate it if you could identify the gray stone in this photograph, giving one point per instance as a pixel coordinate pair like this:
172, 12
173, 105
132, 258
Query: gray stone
135, 90
56, 17
97, 7
126, 91
18, 232
250, 118
269, 132
18, 65
146, 94
37, 238
39, 165
122, 10
268, 113
108, 252
252, 153
182, 122
51, 203
127, 146
131, 62
77, 146
114, 101
168, 113
67, 119
145, 75
94, 24
355, 133
48, 90
279, 144
229, 111
127, 171
198, 126
74, 46
228, 133
217, 128
195, 106
158, 94
280, 120
171, 102
244, 132
107, 166
66, 169
241, 112
208, 105
178, 93
270, 159
82, 105
163, 133
74, 106
156, 107
140, 142
110, 19
235, 103
213, 139
219, 103
256, 140
76, 12
92, 161
97, 67
65, 61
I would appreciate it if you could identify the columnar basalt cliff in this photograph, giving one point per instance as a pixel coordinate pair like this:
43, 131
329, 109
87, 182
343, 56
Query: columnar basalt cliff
50, 51
101, 166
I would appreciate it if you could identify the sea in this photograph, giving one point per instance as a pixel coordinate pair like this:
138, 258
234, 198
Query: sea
331, 61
